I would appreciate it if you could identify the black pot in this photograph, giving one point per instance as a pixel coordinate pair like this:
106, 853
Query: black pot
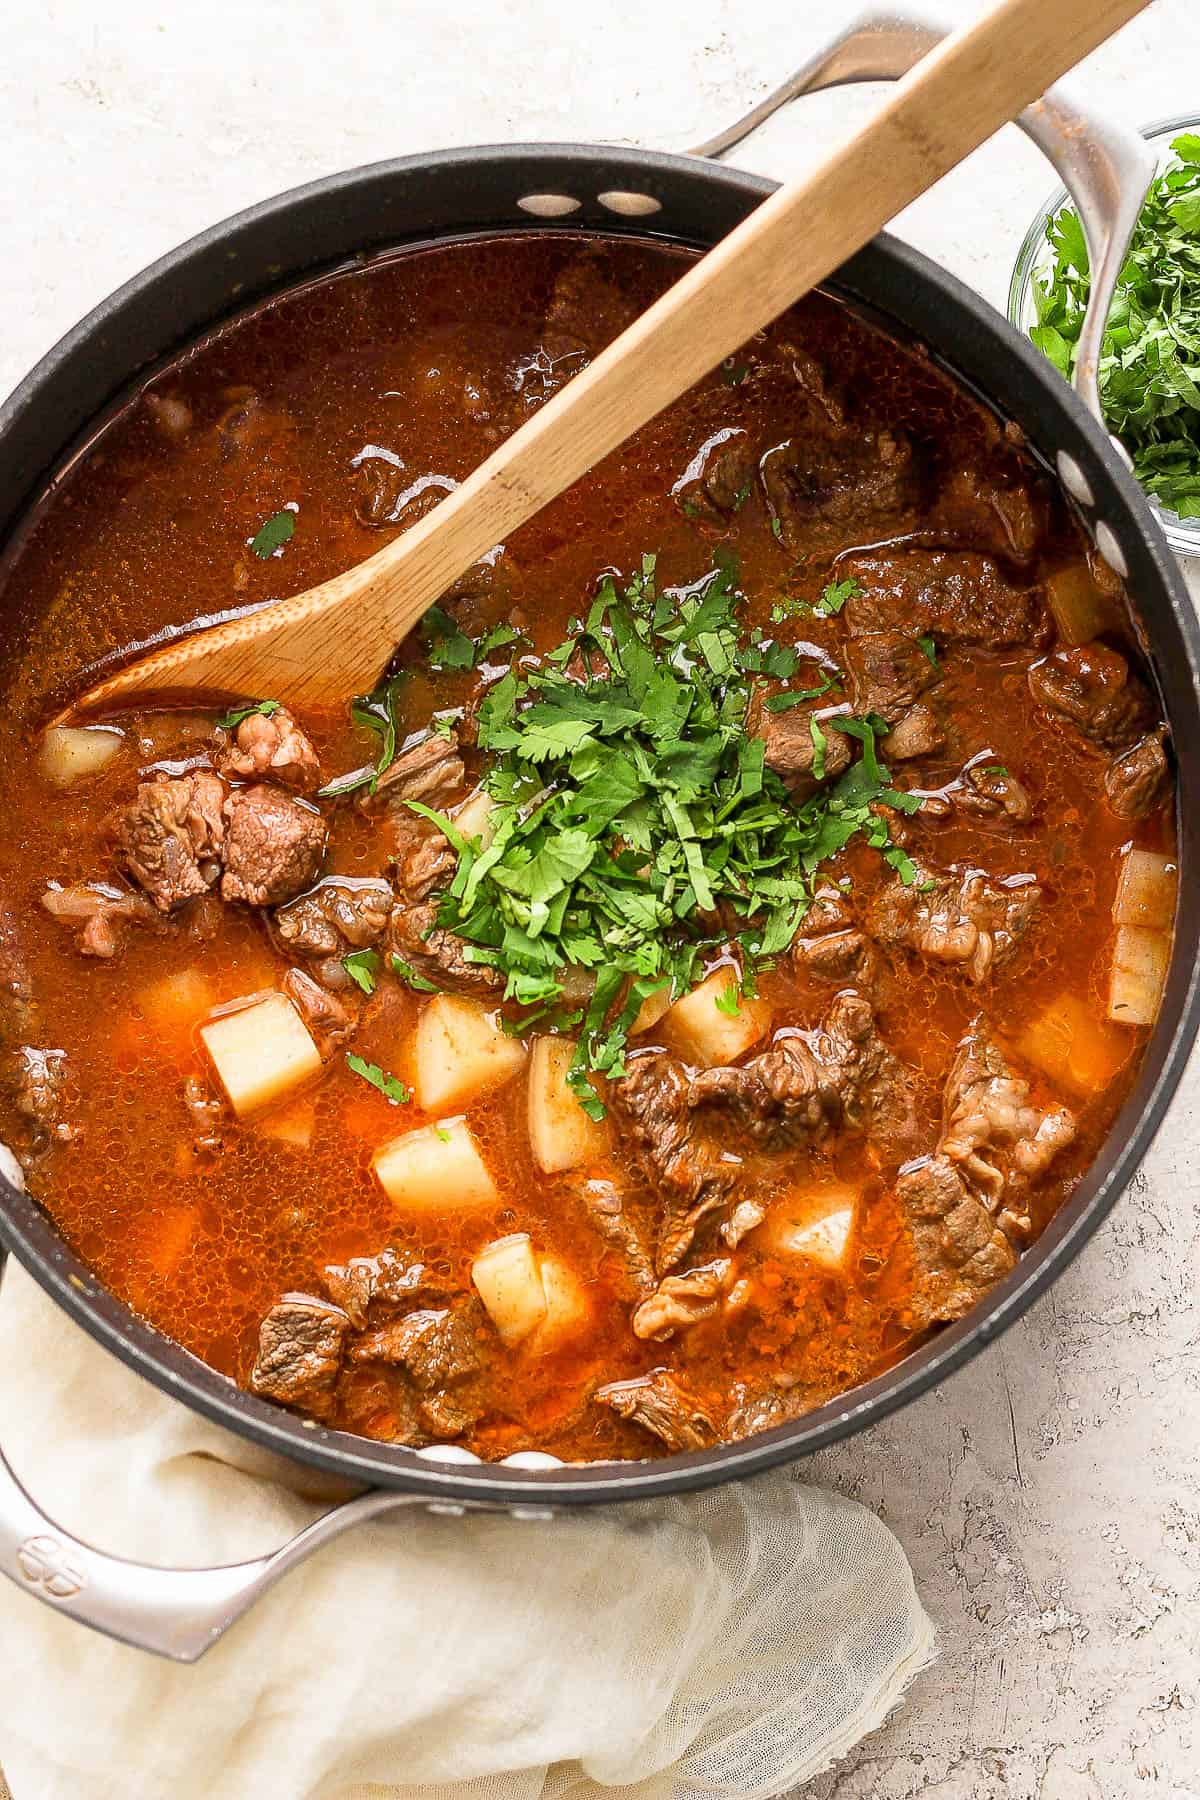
686, 201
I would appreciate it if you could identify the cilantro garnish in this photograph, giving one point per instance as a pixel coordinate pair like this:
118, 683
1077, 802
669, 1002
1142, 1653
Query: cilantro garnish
635, 823
390, 1086
451, 648
233, 719
362, 966
929, 649
377, 711
410, 977
1151, 349
835, 597
274, 534
729, 1000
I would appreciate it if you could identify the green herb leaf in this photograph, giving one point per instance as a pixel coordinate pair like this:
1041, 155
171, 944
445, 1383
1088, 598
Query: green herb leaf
930, 650
274, 534
835, 597
411, 977
390, 1086
1149, 368
362, 966
729, 1000
233, 719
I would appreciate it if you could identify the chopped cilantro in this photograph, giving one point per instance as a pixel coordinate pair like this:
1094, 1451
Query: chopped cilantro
233, 719
782, 702
377, 711
362, 966
1150, 354
742, 495
777, 527
410, 976
270, 537
835, 597
442, 1133
729, 1000
929, 648
390, 1086
451, 648
630, 805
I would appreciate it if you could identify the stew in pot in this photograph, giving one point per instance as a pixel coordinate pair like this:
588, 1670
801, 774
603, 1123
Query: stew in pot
700, 968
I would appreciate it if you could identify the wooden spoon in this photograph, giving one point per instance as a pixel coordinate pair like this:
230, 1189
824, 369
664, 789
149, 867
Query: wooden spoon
320, 646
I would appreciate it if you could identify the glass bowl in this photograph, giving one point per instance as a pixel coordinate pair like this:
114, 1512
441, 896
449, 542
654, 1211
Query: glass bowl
1183, 535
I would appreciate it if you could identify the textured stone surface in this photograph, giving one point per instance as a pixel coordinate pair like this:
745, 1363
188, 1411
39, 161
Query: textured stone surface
1050, 1497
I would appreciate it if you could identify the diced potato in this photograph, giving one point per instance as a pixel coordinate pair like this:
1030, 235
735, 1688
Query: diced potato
1081, 609
813, 1222
462, 1052
568, 1308
260, 1052
1146, 890
177, 1001
1074, 1047
474, 817
711, 1035
652, 1010
560, 1133
509, 1282
292, 1125
1139, 974
437, 1168
69, 752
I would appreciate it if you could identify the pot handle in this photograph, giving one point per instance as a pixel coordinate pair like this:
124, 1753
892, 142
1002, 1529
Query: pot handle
1105, 167
177, 1613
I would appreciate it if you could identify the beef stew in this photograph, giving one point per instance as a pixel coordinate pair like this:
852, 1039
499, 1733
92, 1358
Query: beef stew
803, 902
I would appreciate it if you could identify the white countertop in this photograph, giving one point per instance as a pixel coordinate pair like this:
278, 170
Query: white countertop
1049, 1497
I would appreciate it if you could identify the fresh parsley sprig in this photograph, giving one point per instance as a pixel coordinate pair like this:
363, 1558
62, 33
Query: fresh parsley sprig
1149, 368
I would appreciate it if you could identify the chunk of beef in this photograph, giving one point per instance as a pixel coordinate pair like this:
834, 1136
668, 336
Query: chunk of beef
300, 1345
918, 732
959, 597
959, 1251
988, 1110
330, 1020
966, 1206
614, 1219
682, 1300
845, 957
889, 672
1090, 688
1138, 780
791, 749
691, 1178
808, 1085
664, 1406
270, 748
991, 791
829, 947
206, 1114
172, 836
958, 916
745, 1217
100, 912
387, 1277
438, 954
828, 485
439, 1348
273, 846
38, 1080
1003, 516
431, 771
784, 1401
18, 1012
720, 477
340, 914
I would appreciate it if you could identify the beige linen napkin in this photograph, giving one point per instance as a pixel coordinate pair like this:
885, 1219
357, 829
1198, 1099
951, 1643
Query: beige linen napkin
725, 1644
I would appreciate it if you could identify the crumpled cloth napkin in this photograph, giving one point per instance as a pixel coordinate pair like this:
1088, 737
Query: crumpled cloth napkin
732, 1643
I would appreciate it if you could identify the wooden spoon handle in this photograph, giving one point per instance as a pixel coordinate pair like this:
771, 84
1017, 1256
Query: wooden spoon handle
320, 646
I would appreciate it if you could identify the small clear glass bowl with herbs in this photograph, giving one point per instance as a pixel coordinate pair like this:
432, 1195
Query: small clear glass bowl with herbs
1154, 407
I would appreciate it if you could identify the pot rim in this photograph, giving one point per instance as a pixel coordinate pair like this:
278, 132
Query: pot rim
28, 1231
